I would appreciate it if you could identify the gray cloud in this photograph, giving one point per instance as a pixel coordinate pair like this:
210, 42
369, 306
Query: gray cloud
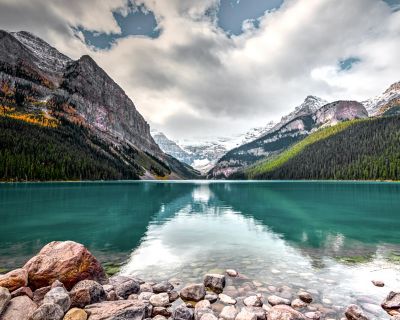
194, 79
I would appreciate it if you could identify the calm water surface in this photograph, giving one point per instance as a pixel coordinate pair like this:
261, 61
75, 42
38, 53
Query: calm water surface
331, 238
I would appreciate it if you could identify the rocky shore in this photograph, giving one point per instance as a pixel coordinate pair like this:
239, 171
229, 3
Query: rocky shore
65, 281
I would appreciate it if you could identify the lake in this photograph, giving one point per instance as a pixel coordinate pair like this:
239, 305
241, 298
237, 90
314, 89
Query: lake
331, 238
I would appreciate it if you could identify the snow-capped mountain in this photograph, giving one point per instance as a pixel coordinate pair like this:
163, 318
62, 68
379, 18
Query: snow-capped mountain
380, 104
203, 155
312, 114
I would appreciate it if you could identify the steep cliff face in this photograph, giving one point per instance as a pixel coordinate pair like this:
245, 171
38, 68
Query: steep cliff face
37, 81
305, 119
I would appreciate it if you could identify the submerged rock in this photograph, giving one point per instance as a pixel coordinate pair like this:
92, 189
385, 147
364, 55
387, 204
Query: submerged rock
193, 292
354, 312
216, 282
67, 261
392, 301
232, 273
87, 292
253, 301
275, 300
14, 279
305, 296
226, 299
378, 283
5, 298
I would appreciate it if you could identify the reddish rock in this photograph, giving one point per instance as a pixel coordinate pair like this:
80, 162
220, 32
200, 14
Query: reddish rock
68, 261
281, 312
39, 294
117, 310
19, 308
14, 279
23, 291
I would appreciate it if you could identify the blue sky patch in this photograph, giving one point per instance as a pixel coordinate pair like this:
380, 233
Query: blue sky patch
232, 13
347, 64
138, 22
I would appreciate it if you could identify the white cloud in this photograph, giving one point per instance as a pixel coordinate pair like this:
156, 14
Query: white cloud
194, 80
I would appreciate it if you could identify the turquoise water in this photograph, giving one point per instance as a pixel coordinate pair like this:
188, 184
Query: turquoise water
328, 237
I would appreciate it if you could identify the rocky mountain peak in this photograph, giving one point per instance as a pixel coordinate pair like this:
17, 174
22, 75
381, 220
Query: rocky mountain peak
394, 88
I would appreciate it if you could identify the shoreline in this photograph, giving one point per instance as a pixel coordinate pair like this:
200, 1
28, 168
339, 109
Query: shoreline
67, 280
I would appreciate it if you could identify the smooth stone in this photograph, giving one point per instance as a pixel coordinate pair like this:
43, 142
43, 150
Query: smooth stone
272, 288
19, 308
193, 292
48, 311
117, 310
392, 301
146, 287
245, 315
378, 283
305, 296
354, 312
164, 286
253, 301
313, 315
39, 294
229, 313
232, 273
14, 279
159, 300
145, 295
283, 312
173, 296
258, 311
182, 313
23, 291
208, 316
212, 297
202, 304
87, 292
216, 282
76, 314
372, 308
108, 287
275, 300
226, 299
298, 304
133, 296
5, 298
159, 317
165, 312
199, 312
59, 296
66, 261
124, 286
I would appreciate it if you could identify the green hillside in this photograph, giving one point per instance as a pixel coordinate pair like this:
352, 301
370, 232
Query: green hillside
34, 150
360, 149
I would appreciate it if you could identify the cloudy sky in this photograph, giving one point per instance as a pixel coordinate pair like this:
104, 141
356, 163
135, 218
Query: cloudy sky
218, 67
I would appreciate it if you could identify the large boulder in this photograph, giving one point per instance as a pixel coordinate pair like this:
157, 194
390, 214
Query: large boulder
215, 282
354, 312
125, 286
14, 279
60, 296
87, 292
48, 311
19, 308
67, 261
117, 310
283, 312
5, 298
193, 292
392, 301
